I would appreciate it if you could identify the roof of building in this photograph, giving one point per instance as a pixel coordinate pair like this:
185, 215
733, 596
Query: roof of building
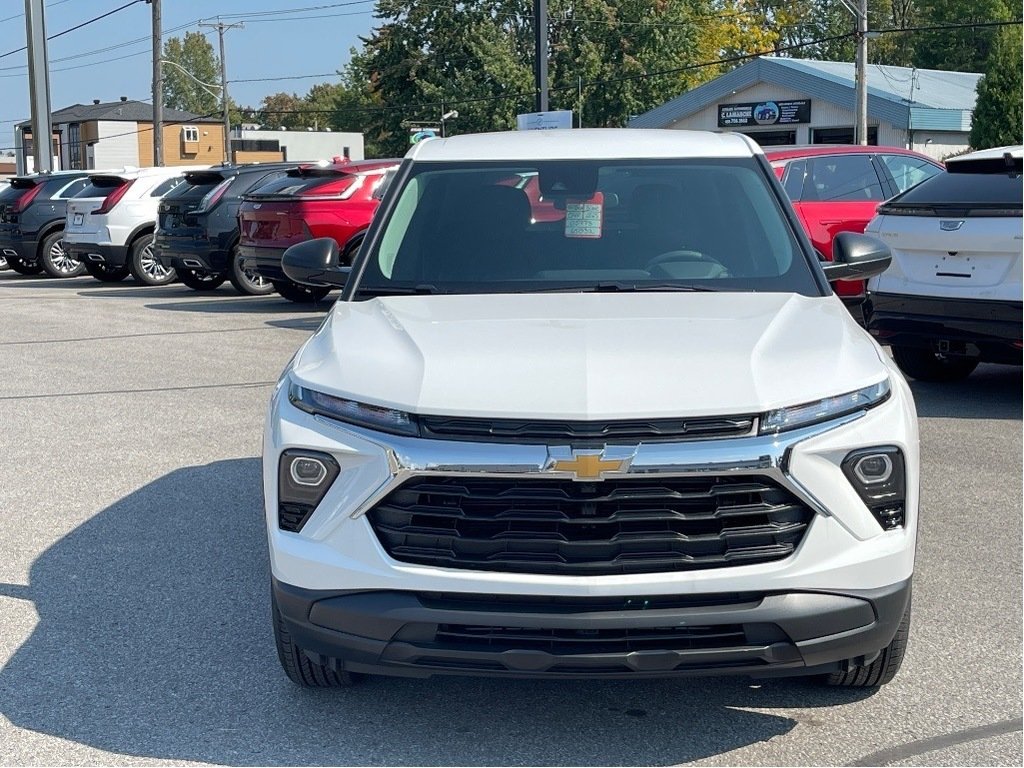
129, 111
582, 144
940, 100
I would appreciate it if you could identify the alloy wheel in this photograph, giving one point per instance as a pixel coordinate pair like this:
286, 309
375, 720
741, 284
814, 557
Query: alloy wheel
151, 266
61, 260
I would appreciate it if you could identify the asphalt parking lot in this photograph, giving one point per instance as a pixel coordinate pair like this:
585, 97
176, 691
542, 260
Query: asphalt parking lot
134, 615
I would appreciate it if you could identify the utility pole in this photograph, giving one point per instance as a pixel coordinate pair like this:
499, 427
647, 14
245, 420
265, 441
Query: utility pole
39, 86
540, 64
221, 27
862, 72
158, 85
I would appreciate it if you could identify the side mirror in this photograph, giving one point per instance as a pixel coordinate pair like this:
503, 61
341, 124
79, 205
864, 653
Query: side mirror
856, 257
315, 262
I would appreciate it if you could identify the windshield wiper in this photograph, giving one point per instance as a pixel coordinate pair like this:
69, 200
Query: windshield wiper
623, 287
424, 289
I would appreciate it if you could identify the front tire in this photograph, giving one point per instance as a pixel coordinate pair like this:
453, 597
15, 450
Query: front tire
924, 365
299, 668
199, 280
23, 267
106, 273
248, 282
144, 266
300, 294
57, 262
881, 670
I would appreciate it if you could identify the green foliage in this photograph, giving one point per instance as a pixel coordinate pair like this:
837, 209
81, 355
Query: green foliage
194, 54
999, 113
959, 50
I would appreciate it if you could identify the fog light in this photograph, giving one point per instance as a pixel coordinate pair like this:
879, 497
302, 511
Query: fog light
873, 468
303, 479
879, 477
308, 471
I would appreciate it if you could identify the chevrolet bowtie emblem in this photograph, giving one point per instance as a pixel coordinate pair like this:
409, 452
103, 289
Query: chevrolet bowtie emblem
588, 466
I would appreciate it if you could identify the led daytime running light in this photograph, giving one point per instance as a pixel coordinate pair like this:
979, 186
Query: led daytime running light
361, 414
795, 416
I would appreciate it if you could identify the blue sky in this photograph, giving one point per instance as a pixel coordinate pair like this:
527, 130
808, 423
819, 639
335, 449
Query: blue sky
298, 43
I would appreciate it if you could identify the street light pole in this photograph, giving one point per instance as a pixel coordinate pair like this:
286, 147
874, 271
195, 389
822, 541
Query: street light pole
862, 73
221, 27
158, 86
540, 64
39, 86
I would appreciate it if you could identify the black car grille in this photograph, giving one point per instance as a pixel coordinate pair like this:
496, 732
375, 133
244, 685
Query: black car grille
583, 641
582, 432
553, 526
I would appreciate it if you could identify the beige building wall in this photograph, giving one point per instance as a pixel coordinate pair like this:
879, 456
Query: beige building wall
209, 150
257, 157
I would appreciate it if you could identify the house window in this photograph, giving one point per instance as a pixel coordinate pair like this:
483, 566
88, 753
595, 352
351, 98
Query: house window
189, 133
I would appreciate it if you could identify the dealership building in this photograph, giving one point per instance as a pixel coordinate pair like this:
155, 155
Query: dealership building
779, 101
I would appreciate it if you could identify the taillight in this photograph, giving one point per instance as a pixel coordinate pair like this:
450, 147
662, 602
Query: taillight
25, 200
114, 197
342, 187
213, 196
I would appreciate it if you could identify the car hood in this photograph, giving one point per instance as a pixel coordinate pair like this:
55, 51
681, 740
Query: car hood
589, 355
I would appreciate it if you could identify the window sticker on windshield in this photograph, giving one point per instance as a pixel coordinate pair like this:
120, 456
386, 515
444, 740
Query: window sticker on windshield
584, 217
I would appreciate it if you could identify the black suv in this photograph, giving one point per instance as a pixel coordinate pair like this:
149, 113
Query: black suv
197, 227
32, 212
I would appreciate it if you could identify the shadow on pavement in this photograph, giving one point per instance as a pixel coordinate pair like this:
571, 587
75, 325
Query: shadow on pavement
991, 392
243, 304
154, 640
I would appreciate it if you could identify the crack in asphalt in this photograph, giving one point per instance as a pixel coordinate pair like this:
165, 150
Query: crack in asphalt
921, 746
237, 385
129, 336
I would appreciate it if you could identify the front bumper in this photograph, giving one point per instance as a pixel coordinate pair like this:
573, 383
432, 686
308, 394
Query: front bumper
98, 253
988, 330
421, 634
266, 261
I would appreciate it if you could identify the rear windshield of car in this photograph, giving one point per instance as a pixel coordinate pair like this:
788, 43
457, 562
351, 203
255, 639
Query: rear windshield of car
711, 224
294, 183
195, 186
980, 192
100, 186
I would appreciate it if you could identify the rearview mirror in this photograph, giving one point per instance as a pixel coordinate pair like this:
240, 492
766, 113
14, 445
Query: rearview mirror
315, 262
856, 256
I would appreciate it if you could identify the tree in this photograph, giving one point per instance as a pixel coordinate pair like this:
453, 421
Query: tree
958, 50
195, 55
999, 113
282, 110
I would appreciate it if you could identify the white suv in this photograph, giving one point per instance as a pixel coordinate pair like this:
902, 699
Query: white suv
110, 223
952, 297
620, 427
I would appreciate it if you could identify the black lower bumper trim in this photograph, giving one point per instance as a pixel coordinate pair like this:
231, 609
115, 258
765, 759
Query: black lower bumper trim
19, 247
111, 255
988, 330
266, 261
422, 634
198, 254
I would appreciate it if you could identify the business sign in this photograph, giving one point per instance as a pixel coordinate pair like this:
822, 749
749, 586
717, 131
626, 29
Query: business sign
418, 134
764, 113
544, 121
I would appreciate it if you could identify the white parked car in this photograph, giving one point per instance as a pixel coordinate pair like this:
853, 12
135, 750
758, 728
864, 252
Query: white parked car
952, 296
110, 223
621, 427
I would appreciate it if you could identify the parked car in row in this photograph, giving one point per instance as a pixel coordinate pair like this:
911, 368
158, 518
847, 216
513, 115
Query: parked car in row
336, 201
838, 188
197, 227
32, 214
952, 297
110, 223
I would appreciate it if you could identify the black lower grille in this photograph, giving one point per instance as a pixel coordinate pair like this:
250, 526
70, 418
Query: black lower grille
585, 641
553, 526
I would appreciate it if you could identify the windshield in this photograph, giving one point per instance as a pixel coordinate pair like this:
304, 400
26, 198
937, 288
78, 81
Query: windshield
709, 224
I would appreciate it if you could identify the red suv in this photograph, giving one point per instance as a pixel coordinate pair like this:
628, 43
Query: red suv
837, 189
336, 201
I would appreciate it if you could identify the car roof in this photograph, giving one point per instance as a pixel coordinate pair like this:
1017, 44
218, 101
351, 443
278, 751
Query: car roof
129, 172
817, 150
584, 144
1016, 152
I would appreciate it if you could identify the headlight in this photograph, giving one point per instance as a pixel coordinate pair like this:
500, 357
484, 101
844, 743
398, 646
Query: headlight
351, 412
303, 479
805, 414
879, 476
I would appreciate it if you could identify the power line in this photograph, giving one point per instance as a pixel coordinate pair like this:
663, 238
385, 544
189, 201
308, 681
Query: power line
76, 27
19, 15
